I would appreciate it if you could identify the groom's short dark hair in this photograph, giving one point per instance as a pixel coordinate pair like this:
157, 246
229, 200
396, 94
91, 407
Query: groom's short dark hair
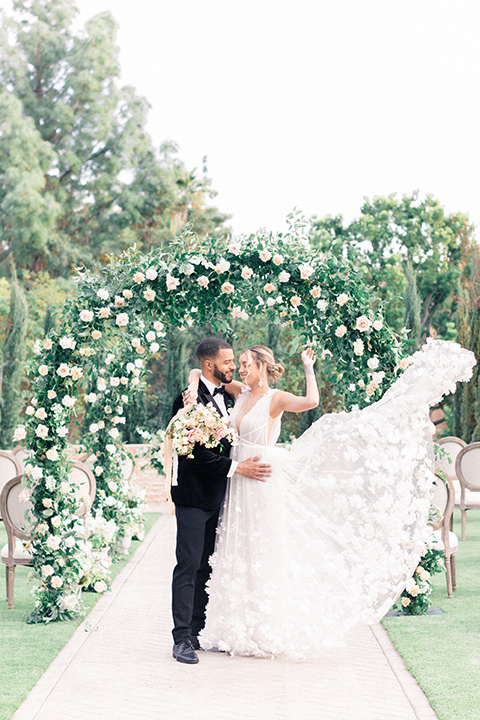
210, 347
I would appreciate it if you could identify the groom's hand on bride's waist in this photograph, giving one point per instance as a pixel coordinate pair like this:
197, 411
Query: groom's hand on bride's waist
254, 469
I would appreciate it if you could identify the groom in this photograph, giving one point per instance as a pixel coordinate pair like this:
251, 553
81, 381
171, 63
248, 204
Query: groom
198, 495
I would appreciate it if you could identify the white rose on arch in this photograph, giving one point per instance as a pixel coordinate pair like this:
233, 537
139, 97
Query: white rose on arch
103, 294
172, 282
86, 315
122, 320
363, 323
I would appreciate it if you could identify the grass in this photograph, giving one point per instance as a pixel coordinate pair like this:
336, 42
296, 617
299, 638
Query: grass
443, 651
28, 650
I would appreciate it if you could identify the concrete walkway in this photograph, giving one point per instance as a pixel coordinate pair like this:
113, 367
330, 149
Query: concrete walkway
118, 666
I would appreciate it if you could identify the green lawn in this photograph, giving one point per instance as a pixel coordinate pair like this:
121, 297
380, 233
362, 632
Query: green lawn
443, 651
27, 650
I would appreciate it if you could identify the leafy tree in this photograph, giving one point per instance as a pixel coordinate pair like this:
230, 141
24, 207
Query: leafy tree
391, 231
80, 176
12, 367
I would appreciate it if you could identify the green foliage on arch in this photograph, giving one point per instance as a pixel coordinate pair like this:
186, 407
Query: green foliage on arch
118, 318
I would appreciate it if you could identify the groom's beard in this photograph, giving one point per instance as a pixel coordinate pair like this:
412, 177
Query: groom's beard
225, 378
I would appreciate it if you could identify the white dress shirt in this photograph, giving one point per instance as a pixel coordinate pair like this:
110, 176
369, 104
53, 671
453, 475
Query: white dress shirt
220, 401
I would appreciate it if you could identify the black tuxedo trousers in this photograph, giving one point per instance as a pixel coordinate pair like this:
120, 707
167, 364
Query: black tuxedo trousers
198, 497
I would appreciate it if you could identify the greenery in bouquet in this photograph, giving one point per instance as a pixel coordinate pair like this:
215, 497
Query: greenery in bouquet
199, 424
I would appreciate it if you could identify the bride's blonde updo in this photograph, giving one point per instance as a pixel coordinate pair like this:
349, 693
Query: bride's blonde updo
263, 356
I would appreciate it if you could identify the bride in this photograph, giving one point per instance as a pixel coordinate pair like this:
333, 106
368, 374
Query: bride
330, 540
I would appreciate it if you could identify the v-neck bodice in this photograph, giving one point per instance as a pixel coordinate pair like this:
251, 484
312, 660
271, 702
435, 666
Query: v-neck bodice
256, 426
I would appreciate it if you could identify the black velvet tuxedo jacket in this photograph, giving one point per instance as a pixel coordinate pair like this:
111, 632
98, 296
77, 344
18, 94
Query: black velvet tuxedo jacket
202, 480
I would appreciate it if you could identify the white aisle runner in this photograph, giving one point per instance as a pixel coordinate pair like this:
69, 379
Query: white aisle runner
118, 666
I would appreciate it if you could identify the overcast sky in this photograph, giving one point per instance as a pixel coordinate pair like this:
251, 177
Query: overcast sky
310, 103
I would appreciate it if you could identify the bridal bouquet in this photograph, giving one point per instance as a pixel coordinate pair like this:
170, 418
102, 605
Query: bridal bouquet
199, 424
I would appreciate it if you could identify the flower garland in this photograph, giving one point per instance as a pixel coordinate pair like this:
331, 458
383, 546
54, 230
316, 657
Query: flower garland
117, 319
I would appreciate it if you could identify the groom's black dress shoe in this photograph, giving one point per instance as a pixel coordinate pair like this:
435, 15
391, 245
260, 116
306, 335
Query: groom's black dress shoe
183, 652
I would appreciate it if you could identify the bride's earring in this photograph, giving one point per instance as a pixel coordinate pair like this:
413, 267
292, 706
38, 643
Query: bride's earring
260, 383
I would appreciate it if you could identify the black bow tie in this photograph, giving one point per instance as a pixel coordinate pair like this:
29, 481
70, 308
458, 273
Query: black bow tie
219, 391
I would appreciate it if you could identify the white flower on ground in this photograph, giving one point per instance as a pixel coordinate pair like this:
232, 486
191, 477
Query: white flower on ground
247, 273
363, 323
86, 316
139, 277
43, 370
358, 347
373, 363
340, 331
63, 370
41, 431
68, 401
172, 282
100, 586
19, 434
151, 274
305, 271
149, 294
265, 255
122, 320
203, 281
227, 288
284, 276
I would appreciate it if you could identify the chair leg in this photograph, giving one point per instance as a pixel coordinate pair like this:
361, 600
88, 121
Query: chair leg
6, 583
464, 522
10, 585
454, 571
448, 568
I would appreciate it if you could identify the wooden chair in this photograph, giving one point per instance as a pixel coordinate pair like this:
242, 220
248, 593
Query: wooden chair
20, 528
452, 446
443, 497
10, 467
467, 470
127, 466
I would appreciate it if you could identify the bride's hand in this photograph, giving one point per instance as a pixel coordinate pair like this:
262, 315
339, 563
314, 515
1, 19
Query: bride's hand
190, 395
308, 358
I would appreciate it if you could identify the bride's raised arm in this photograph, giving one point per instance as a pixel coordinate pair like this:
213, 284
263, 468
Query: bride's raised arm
286, 401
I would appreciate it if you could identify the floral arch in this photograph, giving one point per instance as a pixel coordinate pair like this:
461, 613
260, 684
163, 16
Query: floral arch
118, 318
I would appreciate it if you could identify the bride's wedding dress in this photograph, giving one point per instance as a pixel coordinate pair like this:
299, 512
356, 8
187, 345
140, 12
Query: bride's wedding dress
331, 538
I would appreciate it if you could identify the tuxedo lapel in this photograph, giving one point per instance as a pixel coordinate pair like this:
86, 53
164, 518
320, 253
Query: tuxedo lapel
205, 397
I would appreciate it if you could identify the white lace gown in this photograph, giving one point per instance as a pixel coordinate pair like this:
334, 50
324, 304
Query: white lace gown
331, 538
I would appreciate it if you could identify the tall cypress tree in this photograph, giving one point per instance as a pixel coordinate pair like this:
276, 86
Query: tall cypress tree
463, 311
412, 316
13, 364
